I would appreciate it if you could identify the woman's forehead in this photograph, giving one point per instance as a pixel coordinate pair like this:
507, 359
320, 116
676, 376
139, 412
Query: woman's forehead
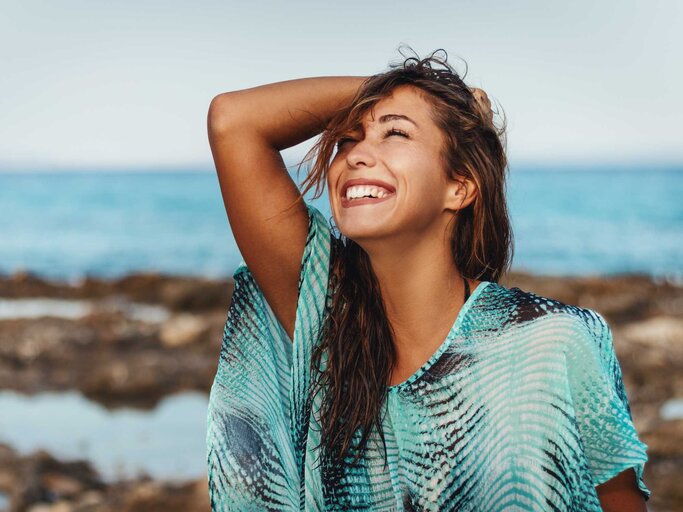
402, 104
406, 98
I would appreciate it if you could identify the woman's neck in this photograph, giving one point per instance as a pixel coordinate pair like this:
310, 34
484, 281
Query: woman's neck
423, 292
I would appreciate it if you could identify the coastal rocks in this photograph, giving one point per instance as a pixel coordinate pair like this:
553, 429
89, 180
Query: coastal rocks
620, 298
664, 470
175, 292
662, 332
183, 329
650, 349
40, 483
110, 358
40, 478
666, 441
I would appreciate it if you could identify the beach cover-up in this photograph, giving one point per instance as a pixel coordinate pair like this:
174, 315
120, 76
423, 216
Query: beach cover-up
522, 407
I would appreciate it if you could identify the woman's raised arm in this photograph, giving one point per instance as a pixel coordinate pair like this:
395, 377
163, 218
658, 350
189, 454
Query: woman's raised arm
247, 130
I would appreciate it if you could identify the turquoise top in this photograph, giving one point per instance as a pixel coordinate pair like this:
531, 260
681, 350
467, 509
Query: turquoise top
522, 407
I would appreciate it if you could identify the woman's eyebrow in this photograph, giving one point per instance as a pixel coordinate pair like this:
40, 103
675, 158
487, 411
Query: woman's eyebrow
393, 117
384, 119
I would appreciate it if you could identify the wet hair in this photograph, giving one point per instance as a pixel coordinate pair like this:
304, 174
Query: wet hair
356, 337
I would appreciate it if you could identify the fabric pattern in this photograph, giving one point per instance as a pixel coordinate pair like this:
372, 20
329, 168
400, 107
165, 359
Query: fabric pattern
522, 407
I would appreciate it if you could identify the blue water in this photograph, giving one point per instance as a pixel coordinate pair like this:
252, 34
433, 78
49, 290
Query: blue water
167, 442
566, 221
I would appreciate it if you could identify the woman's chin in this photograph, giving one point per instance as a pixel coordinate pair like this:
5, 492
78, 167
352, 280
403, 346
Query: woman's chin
362, 229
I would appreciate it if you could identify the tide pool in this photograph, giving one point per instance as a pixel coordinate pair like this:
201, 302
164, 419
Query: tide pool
167, 442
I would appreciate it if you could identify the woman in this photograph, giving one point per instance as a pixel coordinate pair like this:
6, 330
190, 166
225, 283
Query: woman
386, 368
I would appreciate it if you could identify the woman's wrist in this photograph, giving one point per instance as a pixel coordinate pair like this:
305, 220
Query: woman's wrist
289, 112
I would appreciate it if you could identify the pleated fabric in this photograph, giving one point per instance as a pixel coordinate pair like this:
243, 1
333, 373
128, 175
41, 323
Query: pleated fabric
522, 407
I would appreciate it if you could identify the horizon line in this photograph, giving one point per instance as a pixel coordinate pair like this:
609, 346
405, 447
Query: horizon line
200, 167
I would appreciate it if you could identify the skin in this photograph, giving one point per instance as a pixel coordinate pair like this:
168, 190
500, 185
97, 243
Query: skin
406, 239
621, 493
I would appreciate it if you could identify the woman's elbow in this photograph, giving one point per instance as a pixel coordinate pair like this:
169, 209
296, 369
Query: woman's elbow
621, 494
222, 112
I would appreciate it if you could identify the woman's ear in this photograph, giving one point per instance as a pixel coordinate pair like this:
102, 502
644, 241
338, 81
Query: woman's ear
461, 193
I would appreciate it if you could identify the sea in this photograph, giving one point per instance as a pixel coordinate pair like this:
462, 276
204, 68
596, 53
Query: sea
66, 225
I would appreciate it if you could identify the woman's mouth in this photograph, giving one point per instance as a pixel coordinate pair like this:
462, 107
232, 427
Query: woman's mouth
359, 192
348, 203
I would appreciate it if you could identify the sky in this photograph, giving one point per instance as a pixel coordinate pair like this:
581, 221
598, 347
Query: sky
109, 85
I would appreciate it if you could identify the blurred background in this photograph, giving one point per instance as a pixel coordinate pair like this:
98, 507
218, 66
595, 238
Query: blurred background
116, 255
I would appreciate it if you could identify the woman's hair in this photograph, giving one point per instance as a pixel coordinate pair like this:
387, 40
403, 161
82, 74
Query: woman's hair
356, 337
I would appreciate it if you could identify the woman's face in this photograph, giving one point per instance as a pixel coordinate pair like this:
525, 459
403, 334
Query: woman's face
403, 153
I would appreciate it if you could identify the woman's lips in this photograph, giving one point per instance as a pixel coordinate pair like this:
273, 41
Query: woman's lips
347, 203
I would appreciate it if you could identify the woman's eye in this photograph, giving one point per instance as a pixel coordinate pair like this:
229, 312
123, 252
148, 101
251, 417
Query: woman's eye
342, 141
392, 131
395, 131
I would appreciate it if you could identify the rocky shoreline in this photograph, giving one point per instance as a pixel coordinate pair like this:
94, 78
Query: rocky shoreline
40, 483
134, 340
112, 353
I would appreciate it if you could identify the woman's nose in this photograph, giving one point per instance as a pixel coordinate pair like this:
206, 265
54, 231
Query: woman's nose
362, 153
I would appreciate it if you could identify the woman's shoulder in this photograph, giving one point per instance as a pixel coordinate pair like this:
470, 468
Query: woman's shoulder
545, 328
524, 308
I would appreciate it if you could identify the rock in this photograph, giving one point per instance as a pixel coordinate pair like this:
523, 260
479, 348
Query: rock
91, 500
168, 497
663, 475
648, 351
42, 483
178, 292
183, 329
657, 332
61, 485
194, 295
60, 506
665, 440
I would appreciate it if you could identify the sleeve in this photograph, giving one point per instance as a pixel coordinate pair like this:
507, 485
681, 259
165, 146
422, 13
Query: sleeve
257, 408
310, 315
610, 441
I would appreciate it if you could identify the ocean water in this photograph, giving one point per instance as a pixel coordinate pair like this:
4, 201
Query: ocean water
167, 442
566, 222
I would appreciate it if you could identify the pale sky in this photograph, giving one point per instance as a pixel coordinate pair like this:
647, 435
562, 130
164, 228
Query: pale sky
97, 84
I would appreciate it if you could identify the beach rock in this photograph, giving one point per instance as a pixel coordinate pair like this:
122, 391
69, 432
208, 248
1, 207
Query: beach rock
159, 497
650, 353
620, 298
666, 439
657, 332
110, 357
194, 295
40, 483
664, 470
61, 485
183, 329
60, 506
176, 292
42, 480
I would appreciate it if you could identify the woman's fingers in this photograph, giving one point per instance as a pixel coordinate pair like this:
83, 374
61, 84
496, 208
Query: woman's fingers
484, 103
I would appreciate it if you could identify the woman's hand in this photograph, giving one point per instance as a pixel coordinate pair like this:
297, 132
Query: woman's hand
484, 103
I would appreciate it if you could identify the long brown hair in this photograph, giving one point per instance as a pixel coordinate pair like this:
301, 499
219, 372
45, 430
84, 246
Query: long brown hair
356, 337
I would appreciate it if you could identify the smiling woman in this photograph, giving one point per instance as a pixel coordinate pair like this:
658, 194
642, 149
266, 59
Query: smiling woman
385, 367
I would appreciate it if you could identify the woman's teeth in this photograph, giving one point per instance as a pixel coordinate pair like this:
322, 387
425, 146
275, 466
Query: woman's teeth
358, 191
